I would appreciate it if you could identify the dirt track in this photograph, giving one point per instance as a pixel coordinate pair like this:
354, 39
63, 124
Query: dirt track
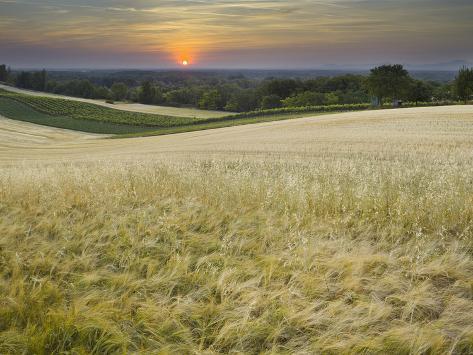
387, 133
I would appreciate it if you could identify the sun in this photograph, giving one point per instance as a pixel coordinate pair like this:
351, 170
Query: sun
185, 62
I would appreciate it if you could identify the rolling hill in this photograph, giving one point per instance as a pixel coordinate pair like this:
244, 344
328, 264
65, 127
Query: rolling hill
345, 233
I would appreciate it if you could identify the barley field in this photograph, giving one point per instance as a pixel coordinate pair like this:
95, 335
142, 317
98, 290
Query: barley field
344, 233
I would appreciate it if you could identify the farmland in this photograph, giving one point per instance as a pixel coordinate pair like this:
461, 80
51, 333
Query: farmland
86, 111
20, 111
344, 233
125, 106
89, 117
236, 177
85, 116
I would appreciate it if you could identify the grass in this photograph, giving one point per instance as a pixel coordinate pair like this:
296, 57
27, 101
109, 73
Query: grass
361, 245
218, 124
18, 111
89, 117
92, 118
128, 106
246, 257
91, 112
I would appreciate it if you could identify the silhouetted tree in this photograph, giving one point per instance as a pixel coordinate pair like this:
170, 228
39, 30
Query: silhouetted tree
389, 81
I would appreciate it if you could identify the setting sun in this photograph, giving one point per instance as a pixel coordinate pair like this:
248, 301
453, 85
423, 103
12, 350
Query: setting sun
169, 183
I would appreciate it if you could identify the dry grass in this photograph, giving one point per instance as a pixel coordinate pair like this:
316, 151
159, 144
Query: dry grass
343, 235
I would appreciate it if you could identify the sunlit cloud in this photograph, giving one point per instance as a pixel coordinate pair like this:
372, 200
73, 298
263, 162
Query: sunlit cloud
318, 31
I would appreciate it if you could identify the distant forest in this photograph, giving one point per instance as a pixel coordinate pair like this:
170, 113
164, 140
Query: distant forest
241, 91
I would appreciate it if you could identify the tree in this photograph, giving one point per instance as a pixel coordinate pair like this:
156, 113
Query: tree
242, 101
444, 91
51, 86
133, 94
158, 95
331, 99
183, 96
306, 98
102, 92
147, 92
389, 81
23, 80
420, 91
3, 73
280, 87
119, 91
39, 80
464, 84
343, 83
85, 89
271, 101
211, 100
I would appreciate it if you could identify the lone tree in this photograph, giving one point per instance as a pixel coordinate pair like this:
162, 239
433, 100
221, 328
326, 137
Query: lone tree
464, 84
389, 81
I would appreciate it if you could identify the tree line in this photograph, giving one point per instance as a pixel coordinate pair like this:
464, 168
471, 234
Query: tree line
387, 83
393, 82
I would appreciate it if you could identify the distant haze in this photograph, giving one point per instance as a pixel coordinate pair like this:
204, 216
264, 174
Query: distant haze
425, 34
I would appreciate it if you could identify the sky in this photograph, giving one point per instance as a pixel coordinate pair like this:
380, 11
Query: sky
287, 34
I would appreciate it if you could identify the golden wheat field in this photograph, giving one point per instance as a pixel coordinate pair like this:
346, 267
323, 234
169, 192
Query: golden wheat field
344, 233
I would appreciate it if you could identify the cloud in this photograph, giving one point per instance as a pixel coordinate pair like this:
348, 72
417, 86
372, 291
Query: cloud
203, 27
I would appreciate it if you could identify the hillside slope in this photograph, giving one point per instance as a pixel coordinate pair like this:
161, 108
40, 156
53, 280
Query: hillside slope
341, 234
403, 131
132, 107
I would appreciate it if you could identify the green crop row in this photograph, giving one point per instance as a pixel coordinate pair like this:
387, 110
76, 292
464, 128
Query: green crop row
89, 117
59, 107
305, 109
329, 108
18, 111
88, 111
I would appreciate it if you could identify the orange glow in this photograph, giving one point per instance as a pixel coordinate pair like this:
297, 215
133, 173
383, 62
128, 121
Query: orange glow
184, 58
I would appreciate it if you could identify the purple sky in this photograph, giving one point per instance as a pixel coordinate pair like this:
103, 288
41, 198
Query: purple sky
233, 34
